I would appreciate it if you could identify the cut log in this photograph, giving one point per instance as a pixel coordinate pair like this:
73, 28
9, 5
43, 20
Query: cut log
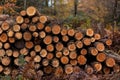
73, 62
18, 35
108, 42
76, 69
37, 66
29, 44
58, 54
40, 26
63, 31
55, 39
78, 35
35, 34
19, 19
43, 19
92, 39
27, 59
2, 52
48, 29
7, 45
89, 32
45, 62
71, 32
110, 62
23, 13
24, 26
32, 28
3, 37
81, 60
33, 53
27, 36
56, 29
50, 48
1, 68
5, 26
66, 51
37, 48
116, 68
40, 73
65, 38
97, 36
5, 61
37, 58
89, 69
48, 69
24, 51
9, 52
86, 41
16, 62
71, 46
35, 19
79, 44
31, 11
16, 28
59, 46
99, 46
1, 45
101, 57
10, 33
73, 55
58, 71
68, 69
97, 66
55, 62
83, 51
1, 31
106, 70
64, 60
50, 56
15, 54
42, 34
43, 53
11, 40
7, 71
26, 20
93, 51
19, 44
47, 40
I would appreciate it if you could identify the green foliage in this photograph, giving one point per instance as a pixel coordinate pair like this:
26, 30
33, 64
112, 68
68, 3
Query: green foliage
6, 77
21, 60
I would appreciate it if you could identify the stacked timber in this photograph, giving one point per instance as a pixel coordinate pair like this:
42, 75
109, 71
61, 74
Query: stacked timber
52, 48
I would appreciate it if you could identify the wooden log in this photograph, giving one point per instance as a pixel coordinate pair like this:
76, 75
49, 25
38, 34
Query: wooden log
18, 35
16, 28
71, 46
40, 73
45, 62
37, 58
89, 32
56, 29
47, 40
37, 48
50, 56
9, 52
5, 26
23, 13
43, 19
19, 19
76, 69
89, 69
59, 46
7, 71
81, 60
97, 36
2, 52
19, 44
3, 37
64, 31
65, 38
24, 26
5, 61
16, 62
27, 59
33, 53
78, 36
24, 51
64, 60
6, 45
48, 69
48, 29
35, 19
50, 48
101, 57
99, 46
86, 41
32, 28
35, 34
40, 26
71, 32
1, 68
37, 66
73, 62
11, 40
31, 11
27, 36
108, 42
58, 54
68, 69
29, 44
55, 62
55, 39
83, 51
42, 34
10, 33
65, 51
93, 51
106, 70
92, 39
15, 54
58, 71
26, 20
110, 62
79, 44
73, 55
43, 53
1, 31
116, 68
97, 66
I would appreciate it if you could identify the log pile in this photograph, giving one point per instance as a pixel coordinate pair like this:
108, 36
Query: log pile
53, 48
